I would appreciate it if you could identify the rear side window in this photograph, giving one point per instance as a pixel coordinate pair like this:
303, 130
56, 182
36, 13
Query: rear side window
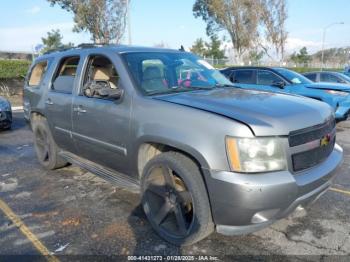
37, 73
312, 77
267, 78
63, 80
244, 77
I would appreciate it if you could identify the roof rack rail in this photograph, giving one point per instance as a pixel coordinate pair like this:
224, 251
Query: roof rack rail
83, 45
57, 50
90, 45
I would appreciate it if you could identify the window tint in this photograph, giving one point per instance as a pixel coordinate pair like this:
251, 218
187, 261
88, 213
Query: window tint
312, 77
326, 77
37, 73
101, 73
65, 75
244, 77
267, 78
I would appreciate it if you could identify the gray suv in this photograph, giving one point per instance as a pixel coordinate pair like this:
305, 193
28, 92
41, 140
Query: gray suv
204, 155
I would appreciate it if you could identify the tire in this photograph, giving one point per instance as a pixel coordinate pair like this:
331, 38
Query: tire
172, 186
45, 146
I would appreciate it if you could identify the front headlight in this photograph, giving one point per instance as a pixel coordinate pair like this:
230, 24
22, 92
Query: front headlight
337, 93
253, 155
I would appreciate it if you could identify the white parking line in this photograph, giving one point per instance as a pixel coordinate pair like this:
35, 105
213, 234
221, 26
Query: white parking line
17, 108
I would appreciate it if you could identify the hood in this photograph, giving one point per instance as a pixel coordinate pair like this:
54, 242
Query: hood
267, 114
330, 86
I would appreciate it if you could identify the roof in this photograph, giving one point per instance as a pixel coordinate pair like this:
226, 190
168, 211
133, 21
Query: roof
248, 67
115, 48
314, 72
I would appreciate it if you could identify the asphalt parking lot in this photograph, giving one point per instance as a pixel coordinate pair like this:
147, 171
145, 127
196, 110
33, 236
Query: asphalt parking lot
72, 212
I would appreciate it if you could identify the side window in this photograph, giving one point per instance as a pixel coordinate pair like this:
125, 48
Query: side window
63, 80
312, 77
101, 79
37, 73
325, 77
267, 78
244, 77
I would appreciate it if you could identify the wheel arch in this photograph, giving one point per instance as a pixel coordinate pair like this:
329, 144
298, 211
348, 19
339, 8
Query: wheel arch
149, 148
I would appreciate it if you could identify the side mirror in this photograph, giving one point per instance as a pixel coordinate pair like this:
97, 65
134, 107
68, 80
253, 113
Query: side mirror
279, 84
341, 81
102, 89
115, 93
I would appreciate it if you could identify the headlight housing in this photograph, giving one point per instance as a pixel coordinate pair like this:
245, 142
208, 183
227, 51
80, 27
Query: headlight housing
337, 93
254, 155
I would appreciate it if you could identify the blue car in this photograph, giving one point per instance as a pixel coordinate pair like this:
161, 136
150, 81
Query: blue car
287, 81
328, 77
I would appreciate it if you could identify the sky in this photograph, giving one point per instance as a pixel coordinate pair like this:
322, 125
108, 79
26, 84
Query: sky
171, 22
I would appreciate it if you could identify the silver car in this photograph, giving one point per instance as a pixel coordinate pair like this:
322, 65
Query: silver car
204, 154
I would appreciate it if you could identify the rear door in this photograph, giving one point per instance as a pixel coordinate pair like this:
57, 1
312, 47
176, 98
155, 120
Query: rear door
59, 99
34, 86
101, 126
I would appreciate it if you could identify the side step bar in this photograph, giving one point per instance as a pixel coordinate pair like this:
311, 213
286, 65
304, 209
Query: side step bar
113, 177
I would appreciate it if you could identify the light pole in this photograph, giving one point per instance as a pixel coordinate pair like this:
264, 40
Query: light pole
324, 38
128, 20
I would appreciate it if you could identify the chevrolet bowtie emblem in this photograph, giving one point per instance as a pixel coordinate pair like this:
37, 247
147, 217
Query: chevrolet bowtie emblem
325, 140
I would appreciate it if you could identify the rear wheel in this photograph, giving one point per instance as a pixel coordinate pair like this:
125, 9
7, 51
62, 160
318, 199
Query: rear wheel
175, 199
45, 147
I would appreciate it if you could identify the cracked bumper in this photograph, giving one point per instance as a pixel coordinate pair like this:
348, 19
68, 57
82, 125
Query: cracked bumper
244, 203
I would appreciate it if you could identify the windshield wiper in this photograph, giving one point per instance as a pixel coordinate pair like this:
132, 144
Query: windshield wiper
180, 89
224, 85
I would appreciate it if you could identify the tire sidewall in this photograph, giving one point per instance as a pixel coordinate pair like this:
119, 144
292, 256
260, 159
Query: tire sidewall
42, 124
194, 183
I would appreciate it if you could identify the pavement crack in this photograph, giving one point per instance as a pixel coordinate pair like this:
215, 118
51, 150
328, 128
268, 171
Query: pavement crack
289, 238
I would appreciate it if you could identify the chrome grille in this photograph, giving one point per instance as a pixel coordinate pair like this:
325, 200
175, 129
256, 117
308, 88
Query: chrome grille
303, 136
309, 158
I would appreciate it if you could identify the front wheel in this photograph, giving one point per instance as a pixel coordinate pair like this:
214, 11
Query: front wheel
175, 199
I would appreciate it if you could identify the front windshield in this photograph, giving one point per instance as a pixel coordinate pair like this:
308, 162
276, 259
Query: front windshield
294, 77
167, 72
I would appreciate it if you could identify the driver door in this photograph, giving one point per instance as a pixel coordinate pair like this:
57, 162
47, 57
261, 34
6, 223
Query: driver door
269, 81
101, 124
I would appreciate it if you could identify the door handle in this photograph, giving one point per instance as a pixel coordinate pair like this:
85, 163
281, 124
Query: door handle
79, 109
49, 102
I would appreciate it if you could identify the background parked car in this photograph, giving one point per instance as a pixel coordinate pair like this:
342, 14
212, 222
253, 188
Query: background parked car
328, 77
5, 113
285, 80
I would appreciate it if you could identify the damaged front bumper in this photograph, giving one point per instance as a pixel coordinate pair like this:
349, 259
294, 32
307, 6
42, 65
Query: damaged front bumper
244, 203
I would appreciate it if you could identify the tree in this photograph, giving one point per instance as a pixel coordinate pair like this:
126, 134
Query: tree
274, 16
54, 41
255, 56
239, 18
243, 20
213, 48
198, 47
210, 49
302, 57
104, 19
